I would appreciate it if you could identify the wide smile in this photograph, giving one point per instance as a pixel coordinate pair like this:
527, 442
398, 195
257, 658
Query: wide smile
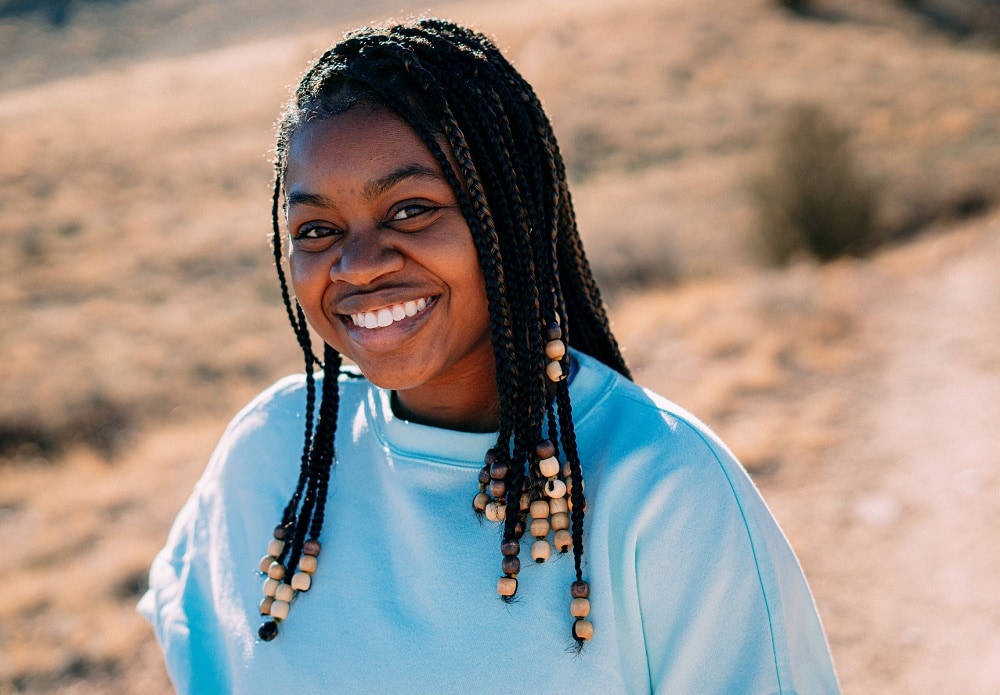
386, 316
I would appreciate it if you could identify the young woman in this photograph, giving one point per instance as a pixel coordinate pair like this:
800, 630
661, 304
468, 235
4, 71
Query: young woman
487, 502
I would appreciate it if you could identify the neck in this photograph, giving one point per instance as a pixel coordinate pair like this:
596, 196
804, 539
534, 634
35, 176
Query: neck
462, 407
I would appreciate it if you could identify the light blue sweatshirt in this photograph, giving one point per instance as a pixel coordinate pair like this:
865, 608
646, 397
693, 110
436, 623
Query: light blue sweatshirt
694, 589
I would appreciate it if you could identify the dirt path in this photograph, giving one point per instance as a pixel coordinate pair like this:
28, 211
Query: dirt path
899, 525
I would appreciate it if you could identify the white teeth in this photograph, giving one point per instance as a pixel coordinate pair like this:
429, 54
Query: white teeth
388, 315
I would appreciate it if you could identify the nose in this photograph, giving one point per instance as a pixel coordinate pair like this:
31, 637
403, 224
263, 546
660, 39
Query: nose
364, 258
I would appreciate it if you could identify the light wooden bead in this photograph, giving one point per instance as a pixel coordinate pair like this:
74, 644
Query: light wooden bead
580, 608
301, 581
540, 551
567, 471
276, 570
480, 501
555, 487
279, 610
539, 509
307, 563
265, 563
265, 605
554, 371
583, 630
274, 547
496, 511
285, 592
539, 527
549, 467
563, 540
507, 586
555, 349
559, 521
270, 586
569, 504
558, 505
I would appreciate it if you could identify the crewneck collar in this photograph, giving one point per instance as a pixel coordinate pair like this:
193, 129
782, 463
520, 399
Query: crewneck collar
589, 381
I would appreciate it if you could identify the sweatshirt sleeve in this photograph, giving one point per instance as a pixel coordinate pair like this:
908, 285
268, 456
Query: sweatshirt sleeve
740, 617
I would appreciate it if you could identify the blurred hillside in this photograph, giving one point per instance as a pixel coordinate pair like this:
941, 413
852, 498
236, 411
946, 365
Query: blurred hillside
140, 309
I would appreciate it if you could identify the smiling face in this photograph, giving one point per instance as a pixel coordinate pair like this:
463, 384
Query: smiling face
383, 264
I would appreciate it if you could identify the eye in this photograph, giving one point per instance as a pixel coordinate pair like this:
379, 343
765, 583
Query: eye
409, 211
314, 230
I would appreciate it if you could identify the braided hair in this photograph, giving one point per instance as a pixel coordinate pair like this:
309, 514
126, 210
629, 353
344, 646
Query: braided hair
457, 91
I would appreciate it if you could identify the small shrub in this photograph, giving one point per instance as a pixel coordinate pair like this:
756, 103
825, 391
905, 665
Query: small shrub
813, 199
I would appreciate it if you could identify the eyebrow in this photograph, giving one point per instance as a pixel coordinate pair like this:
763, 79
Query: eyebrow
371, 190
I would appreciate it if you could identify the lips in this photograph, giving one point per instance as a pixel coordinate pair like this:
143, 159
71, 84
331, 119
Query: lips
388, 315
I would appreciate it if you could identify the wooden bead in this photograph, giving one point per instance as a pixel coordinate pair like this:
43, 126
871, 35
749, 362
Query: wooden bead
480, 501
539, 509
580, 589
519, 528
307, 563
274, 547
276, 570
558, 505
555, 487
525, 502
539, 527
270, 587
280, 532
509, 548
279, 610
490, 457
265, 563
540, 550
549, 467
555, 349
563, 541
559, 521
498, 488
545, 449
285, 592
554, 371
268, 631
301, 581
553, 331
265, 605
484, 475
496, 511
510, 564
507, 586
567, 471
312, 547
580, 608
583, 630
499, 470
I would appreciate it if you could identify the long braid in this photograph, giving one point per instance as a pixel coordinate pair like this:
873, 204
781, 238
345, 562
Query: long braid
485, 127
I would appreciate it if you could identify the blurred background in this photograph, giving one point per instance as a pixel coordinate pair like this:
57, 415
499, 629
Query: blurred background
792, 208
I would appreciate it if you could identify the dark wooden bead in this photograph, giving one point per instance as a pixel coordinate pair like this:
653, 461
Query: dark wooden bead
268, 631
311, 547
553, 331
510, 548
519, 528
498, 489
511, 565
484, 475
545, 449
490, 457
499, 470
580, 589
279, 532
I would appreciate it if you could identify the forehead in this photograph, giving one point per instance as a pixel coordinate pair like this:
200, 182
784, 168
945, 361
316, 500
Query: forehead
360, 140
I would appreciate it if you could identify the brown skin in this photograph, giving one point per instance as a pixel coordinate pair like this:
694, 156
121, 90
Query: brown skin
374, 224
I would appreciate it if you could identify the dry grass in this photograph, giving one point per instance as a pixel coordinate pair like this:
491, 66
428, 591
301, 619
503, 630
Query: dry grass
138, 298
